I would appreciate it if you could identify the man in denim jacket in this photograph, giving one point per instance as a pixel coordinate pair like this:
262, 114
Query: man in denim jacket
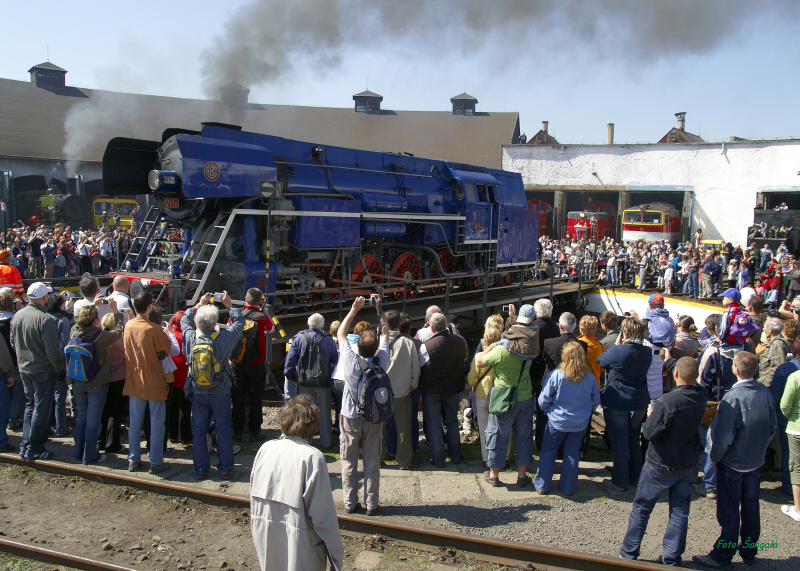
742, 430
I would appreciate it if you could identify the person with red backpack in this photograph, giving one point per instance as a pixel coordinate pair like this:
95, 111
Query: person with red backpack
248, 366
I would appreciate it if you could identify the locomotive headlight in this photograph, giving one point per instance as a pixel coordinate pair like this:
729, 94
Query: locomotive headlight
267, 188
162, 180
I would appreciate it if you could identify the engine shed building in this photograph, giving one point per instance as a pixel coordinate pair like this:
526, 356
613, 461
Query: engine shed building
715, 185
54, 134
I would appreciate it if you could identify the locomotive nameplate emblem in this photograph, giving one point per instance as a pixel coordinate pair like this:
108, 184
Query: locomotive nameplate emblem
171, 203
211, 171
477, 227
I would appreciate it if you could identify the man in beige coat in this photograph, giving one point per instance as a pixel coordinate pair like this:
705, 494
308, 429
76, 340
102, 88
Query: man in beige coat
145, 383
403, 373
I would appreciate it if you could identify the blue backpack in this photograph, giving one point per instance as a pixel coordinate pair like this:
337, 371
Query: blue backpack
374, 399
83, 362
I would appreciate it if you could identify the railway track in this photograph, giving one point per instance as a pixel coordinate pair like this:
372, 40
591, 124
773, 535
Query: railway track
482, 548
36, 553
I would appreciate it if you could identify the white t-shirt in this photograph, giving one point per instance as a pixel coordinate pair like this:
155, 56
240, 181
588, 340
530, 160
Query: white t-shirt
102, 309
747, 293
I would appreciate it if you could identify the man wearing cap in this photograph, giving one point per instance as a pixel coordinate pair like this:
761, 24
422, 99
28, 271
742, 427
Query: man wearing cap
34, 338
9, 275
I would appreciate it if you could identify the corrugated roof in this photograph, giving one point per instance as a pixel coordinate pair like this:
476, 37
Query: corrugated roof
32, 124
47, 65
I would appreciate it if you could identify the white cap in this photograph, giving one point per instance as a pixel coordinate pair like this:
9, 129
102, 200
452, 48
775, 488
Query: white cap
38, 290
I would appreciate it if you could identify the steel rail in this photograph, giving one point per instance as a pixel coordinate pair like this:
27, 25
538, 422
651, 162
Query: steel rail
483, 548
27, 551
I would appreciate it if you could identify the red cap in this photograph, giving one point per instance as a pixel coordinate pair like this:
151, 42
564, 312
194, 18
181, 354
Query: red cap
656, 299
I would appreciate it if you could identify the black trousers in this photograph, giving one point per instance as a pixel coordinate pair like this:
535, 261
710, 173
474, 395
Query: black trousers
112, 410
247, 391
179, 416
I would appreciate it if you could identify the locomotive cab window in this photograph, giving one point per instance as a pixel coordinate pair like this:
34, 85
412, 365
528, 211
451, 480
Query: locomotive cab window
482, 196
493, 194
470, 188
653, 217
632, 216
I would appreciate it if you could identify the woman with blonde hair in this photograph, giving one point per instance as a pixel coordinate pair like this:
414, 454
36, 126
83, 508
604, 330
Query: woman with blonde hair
568, 397
481, 380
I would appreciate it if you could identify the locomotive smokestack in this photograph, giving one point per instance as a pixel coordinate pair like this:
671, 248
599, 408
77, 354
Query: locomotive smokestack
234, 95
681, 120
544, 126
610, 139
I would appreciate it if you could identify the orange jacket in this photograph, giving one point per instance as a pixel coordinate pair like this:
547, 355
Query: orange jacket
9, 277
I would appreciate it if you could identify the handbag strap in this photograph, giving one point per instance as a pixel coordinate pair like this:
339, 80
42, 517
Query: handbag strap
521, 371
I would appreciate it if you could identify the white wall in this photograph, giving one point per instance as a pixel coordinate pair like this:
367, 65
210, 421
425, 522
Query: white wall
724, 183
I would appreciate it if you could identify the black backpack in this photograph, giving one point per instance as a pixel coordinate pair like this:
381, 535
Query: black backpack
246, 349
313, 369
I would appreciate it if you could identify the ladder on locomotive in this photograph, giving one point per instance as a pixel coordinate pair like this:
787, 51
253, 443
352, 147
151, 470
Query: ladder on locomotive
200, 256
203, 253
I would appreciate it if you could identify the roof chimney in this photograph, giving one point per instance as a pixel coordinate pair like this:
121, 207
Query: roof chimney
234, 95
544, 126
681, 120
610, 139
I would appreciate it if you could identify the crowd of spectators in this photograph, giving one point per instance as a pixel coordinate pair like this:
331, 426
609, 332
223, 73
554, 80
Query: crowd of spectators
61, 251
701, 271
676, 401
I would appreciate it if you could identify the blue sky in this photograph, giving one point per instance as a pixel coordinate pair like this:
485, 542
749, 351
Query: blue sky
744, 84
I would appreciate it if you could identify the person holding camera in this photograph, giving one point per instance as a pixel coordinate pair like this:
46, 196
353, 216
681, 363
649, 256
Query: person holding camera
34, 338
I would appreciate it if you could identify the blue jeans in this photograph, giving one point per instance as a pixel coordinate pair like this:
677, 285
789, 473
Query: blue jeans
652, 483
61, 393
17, 406
38, 408
204, 408
642, 278
611, 275
694, 285
158, 411
289, 390
5, 405
438, 411
709, 480
624, 428
498, 432
90, 401
737, 490
547, 460
786, 476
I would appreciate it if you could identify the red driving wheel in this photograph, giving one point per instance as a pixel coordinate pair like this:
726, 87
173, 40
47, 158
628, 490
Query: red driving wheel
407, 267
507, 279
448, 265
373, 268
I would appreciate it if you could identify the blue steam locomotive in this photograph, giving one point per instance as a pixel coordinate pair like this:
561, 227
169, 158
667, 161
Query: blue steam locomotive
305, 221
